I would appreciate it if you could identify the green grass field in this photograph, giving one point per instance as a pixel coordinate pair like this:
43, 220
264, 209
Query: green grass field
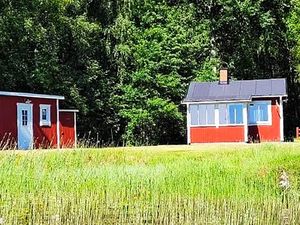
199, 184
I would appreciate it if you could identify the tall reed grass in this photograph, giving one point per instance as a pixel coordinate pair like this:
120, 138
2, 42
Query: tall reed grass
210, 184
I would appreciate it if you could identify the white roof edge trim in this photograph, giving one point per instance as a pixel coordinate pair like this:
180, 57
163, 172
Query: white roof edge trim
215, 102
69, 110
268, 96
30, 95
229, 101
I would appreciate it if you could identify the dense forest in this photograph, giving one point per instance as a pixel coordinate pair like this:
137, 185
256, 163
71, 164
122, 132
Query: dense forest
126, 64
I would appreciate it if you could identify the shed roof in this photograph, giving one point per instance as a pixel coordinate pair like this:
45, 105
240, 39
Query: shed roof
241, 90
30, 95
69, 110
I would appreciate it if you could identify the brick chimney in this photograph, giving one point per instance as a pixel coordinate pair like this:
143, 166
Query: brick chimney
224, 78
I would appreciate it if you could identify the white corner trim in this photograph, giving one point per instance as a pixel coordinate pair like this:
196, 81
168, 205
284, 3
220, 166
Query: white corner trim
245, 119
281, 119
31, 95
57, 124
188, 123
75, 130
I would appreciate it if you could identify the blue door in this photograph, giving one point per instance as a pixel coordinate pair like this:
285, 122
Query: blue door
25, 127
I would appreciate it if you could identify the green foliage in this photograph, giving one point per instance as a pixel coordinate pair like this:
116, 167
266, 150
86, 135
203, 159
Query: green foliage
294, 32
126, 65
152, 124
158, 54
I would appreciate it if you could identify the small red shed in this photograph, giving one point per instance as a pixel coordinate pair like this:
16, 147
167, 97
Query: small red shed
235, 111
30, 121
68, 135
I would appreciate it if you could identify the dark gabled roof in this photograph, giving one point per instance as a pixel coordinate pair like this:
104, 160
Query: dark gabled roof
235, 91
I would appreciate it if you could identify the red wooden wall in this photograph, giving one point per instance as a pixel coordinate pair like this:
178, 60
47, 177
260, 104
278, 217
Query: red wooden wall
67, 129
214, 134
44, 137
268, 132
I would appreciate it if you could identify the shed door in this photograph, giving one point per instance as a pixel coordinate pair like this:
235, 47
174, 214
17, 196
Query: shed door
25, 127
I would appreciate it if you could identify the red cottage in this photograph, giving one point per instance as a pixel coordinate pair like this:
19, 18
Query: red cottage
235, 111
35, 121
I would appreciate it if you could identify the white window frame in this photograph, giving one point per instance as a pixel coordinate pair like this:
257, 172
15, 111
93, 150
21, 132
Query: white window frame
269, 105
227, 111
235, 124
202, 125
46, 122
216, 116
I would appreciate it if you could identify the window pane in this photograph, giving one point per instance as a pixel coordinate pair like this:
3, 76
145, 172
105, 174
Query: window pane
252, 113
194, 114
232, 115
235, 113
202, 114
44, 114
239, 114
263, 112
24, 117
210, 113
258, 112
223, 114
